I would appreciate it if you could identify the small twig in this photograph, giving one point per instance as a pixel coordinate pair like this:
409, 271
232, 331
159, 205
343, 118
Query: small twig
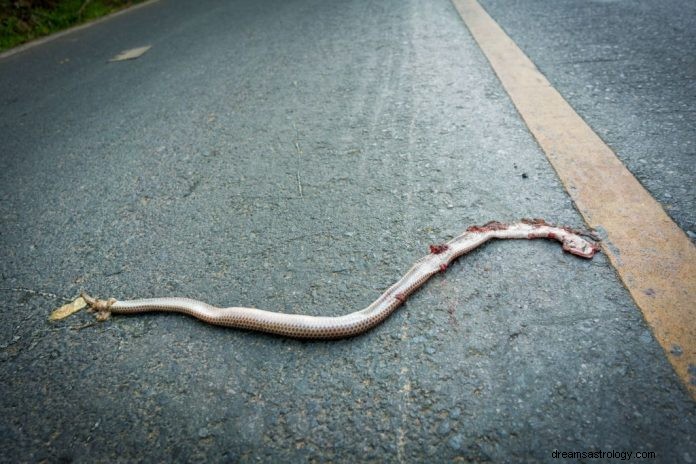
35, 292
299, 153
85, 325
82, 8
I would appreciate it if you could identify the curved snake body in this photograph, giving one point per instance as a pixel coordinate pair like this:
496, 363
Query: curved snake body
320, 327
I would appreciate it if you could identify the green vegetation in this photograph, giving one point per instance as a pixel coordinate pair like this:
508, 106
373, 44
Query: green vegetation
24, 20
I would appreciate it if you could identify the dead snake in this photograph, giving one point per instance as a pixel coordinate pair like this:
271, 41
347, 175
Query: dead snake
320, 327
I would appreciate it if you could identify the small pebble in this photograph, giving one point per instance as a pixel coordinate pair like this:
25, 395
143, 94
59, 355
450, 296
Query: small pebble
646, 337
456, 442
444, 428
455, 413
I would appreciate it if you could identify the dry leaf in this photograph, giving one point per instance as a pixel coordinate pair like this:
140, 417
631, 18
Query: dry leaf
131, 54
68, 309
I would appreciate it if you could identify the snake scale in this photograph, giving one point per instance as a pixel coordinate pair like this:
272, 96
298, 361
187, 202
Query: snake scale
320, 327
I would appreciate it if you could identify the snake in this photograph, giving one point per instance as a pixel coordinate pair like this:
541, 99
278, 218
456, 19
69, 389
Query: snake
583, 244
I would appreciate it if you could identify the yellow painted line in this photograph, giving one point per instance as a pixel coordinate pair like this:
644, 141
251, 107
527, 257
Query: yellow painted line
653, 256
57, 35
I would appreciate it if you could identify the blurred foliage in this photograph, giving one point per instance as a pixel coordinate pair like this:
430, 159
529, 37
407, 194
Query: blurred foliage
24, 20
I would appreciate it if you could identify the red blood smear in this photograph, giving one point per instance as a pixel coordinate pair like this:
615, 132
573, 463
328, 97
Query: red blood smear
443, 267
487, 227
437, 249
536, 222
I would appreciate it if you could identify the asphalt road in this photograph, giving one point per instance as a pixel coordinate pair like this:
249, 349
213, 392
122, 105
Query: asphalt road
299, 156
629, 69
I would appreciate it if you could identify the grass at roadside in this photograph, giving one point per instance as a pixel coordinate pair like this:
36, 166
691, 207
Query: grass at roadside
24, 20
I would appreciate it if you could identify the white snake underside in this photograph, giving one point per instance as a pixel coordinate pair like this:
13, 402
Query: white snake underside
320, 327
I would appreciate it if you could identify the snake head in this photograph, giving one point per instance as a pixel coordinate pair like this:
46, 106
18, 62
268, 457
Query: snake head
579, 246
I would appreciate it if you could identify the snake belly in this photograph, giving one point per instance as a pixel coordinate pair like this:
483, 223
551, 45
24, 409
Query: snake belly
323, 327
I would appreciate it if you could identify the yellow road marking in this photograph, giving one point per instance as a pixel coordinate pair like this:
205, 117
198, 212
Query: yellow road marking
653, 256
